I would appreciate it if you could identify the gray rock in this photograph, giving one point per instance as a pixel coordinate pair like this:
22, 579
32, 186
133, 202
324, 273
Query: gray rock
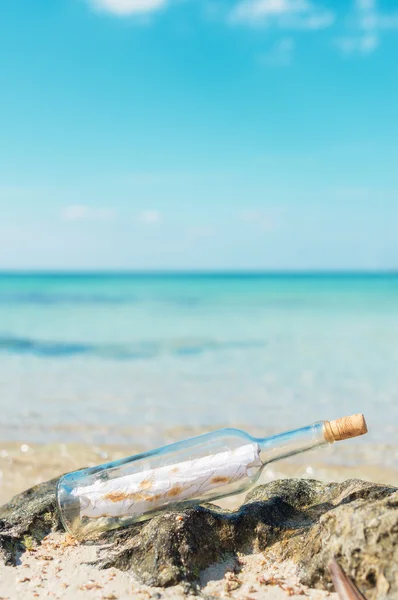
306, 521
27, 519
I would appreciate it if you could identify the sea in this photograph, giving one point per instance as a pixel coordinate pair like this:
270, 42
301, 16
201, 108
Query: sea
111, 358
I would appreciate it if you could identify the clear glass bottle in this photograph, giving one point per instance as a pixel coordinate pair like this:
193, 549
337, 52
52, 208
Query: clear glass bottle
200, 469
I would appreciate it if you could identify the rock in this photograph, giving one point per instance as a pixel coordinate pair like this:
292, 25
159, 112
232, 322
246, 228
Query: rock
361, 532
27, 519
306, 521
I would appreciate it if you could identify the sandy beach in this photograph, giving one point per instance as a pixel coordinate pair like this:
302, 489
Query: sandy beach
59, 567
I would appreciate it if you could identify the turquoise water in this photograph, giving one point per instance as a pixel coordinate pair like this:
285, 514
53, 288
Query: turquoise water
107, 357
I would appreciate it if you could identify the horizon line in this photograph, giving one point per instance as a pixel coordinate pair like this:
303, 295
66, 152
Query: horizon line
196, 272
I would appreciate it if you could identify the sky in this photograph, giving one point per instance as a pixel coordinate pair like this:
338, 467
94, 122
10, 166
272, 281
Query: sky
199, 135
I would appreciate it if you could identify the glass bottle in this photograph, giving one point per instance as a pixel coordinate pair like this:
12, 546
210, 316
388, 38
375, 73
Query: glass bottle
200, 469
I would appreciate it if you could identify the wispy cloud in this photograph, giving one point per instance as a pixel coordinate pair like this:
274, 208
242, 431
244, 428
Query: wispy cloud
264, 220
198, 233
366, 25
150, 217
371, 18
286, 14
125, 8
82, 212
280, 54
358, 44
358, 25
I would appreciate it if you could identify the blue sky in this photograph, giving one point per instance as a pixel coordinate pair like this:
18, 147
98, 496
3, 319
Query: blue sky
198, 134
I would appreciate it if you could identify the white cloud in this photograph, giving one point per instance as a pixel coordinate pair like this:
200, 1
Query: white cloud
358, 44
150, 217
371, 18
196, 233
369, 43
280, 54
361, 24
125, 8
82, 212
389, 21
287, 14
367, 25
74, 213
265, 220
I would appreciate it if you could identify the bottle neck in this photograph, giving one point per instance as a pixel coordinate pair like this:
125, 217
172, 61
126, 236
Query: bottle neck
292, 442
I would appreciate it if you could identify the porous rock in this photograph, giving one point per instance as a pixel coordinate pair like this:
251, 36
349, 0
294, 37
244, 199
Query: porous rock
27, 519
306, 521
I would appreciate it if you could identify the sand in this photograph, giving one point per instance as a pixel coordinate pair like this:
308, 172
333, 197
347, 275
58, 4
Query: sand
59, 568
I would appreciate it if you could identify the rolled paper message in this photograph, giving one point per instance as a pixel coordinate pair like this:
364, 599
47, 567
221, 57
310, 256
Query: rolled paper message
132, 495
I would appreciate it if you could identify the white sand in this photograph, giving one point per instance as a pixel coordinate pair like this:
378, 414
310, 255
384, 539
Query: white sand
58, 569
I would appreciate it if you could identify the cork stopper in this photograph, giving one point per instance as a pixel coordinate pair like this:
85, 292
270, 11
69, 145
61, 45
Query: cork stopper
345, 428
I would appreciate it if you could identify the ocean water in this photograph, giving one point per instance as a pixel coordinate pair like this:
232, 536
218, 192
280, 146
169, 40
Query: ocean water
111, 358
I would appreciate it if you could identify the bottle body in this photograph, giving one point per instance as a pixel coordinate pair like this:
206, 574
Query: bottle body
204, 468
200, 469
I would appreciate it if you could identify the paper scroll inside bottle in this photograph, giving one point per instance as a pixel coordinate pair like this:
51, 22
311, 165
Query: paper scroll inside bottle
136, 494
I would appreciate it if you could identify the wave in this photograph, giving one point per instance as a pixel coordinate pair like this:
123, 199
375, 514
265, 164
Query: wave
38, 298
52, 298
133, 351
